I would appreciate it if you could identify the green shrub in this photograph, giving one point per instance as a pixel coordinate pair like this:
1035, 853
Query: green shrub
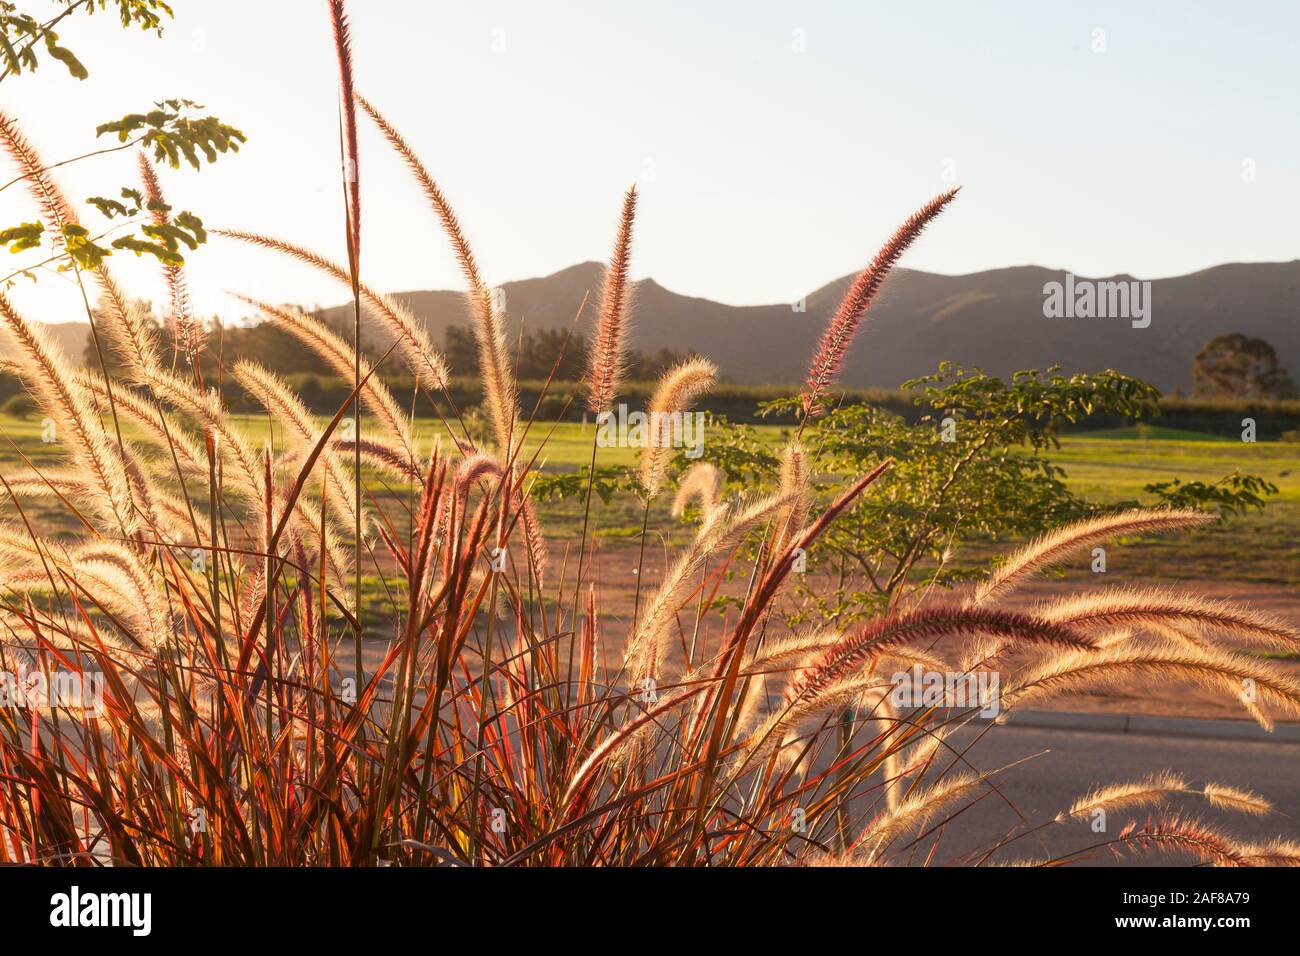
21, 405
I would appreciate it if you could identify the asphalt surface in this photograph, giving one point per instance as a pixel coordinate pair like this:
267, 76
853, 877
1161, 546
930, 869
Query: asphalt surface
1066, 764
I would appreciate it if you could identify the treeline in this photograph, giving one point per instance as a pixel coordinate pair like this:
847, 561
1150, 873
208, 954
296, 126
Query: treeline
537, 351
324, 393
540, 352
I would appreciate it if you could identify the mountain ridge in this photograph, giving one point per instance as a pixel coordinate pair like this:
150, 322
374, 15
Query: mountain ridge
992, 318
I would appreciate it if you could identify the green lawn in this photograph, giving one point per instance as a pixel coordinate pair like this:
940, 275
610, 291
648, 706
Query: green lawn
1108, 466
1115, 465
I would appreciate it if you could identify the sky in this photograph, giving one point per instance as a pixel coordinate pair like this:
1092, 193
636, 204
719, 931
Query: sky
775, 144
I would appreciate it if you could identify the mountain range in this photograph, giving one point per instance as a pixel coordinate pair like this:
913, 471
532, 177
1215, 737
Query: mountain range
994, 319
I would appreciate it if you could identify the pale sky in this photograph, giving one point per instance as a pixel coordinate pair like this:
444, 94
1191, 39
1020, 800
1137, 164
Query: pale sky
776, 144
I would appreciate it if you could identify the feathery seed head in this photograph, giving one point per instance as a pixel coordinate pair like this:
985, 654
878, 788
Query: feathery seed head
499, 385
186, 332
55, 208
703, 483
1153, 607
348, 122
843, 326
422, 358
606, 359
1154, 789
1059, 545
676, 391
337, 354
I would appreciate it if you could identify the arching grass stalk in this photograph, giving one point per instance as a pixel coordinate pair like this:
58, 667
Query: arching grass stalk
351, 180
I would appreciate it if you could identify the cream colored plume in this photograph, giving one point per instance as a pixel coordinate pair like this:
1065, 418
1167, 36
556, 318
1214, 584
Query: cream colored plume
1155, 789
647, 645
914, 812
300, 431
1151, 607
794, 484
677, 390
1059, 545
1237, 799
702, 483
413, 342
133, 406
489, 324
1081, 671
48, 376
337, 354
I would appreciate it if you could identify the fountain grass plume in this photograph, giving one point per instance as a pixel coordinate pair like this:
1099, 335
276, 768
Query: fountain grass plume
828, 358
607, 358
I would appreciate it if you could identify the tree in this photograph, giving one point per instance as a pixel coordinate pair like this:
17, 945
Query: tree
540, 349
974, 466
266, 343
1239, 366
647, 368
459, 348
22, 34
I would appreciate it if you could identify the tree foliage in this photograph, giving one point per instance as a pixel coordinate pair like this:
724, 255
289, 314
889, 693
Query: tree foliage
22, 34
973, 466
173, 130
1239, 366
1234, 493
538, 351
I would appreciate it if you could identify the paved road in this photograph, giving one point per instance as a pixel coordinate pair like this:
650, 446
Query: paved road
1065, 764
1076, 761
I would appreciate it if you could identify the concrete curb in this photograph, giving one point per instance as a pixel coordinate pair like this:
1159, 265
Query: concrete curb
1154, 726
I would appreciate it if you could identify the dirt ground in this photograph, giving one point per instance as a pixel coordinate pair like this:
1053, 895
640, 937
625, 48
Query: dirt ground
615, 577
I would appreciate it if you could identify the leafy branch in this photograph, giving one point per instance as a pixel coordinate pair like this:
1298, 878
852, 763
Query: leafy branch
21, 33
173, 133
161, 239
1234, 493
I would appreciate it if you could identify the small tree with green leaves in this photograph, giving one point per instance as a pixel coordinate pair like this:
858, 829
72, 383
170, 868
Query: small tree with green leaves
973, 465
1239, 366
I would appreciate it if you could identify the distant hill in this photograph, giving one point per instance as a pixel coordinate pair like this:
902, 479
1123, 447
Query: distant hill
993, 319
71, 336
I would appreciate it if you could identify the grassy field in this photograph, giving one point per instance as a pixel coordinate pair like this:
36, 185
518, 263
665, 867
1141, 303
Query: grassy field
1105, 466
1115, 465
